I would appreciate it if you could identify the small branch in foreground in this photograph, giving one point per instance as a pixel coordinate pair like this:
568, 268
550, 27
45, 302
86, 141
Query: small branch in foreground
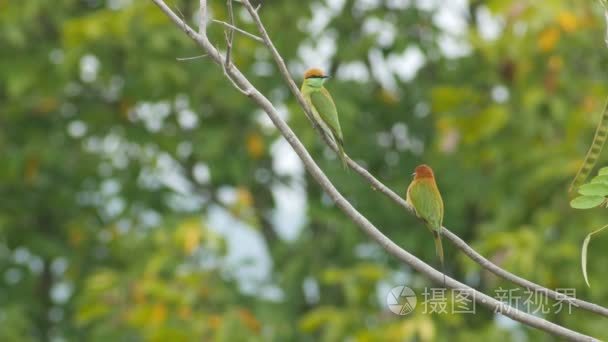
239, 30
230, 34
181, 59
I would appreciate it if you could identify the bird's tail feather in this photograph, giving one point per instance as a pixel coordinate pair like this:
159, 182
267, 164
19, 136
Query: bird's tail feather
341, 153
439, 251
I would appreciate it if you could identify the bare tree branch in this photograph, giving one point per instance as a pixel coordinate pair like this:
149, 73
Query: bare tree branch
356, 217
377, 185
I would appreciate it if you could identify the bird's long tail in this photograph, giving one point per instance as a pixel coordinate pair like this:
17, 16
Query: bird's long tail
439, 251
601, 133
341, 153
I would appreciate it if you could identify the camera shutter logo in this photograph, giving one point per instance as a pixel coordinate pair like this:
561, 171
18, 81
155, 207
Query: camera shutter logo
401, 300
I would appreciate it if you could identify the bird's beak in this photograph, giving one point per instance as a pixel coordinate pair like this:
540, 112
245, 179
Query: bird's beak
413, 173
326, 76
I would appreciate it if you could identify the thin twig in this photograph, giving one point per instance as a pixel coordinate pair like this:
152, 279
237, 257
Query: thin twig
246, 92
181, 59
239, 30
356, 217
229, 36
181, 15
376, 184
202, 24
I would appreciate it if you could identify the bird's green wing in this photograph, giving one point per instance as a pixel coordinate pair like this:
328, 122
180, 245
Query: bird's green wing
425, 197
326, 108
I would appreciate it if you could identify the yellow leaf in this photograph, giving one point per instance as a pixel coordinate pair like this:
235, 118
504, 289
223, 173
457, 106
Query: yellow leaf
567, 21
388, 97
75, 236
370, 271
189, 234
548, 38
138, 293
214, 321
102, 281
244, 197
555, 63
158, 314
589, 104
192, 238
333, 275
255, 145
203, 292
446, 98
404, 331
88, 313
317, 318
472, 128
94, 26
249, 319
426, 329
31, 169
46, 105
185, 312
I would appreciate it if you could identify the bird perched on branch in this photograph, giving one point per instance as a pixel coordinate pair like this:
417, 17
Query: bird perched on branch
423, 195
323, 107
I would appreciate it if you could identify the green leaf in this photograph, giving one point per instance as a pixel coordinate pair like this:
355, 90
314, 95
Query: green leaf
593, 189
584, 253
603, 171
600, 179
586, 202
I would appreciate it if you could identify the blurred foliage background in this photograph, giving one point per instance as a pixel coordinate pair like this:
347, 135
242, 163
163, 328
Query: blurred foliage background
143, 198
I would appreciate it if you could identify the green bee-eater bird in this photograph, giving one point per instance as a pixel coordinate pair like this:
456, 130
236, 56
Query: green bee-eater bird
423, 195
323, 107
